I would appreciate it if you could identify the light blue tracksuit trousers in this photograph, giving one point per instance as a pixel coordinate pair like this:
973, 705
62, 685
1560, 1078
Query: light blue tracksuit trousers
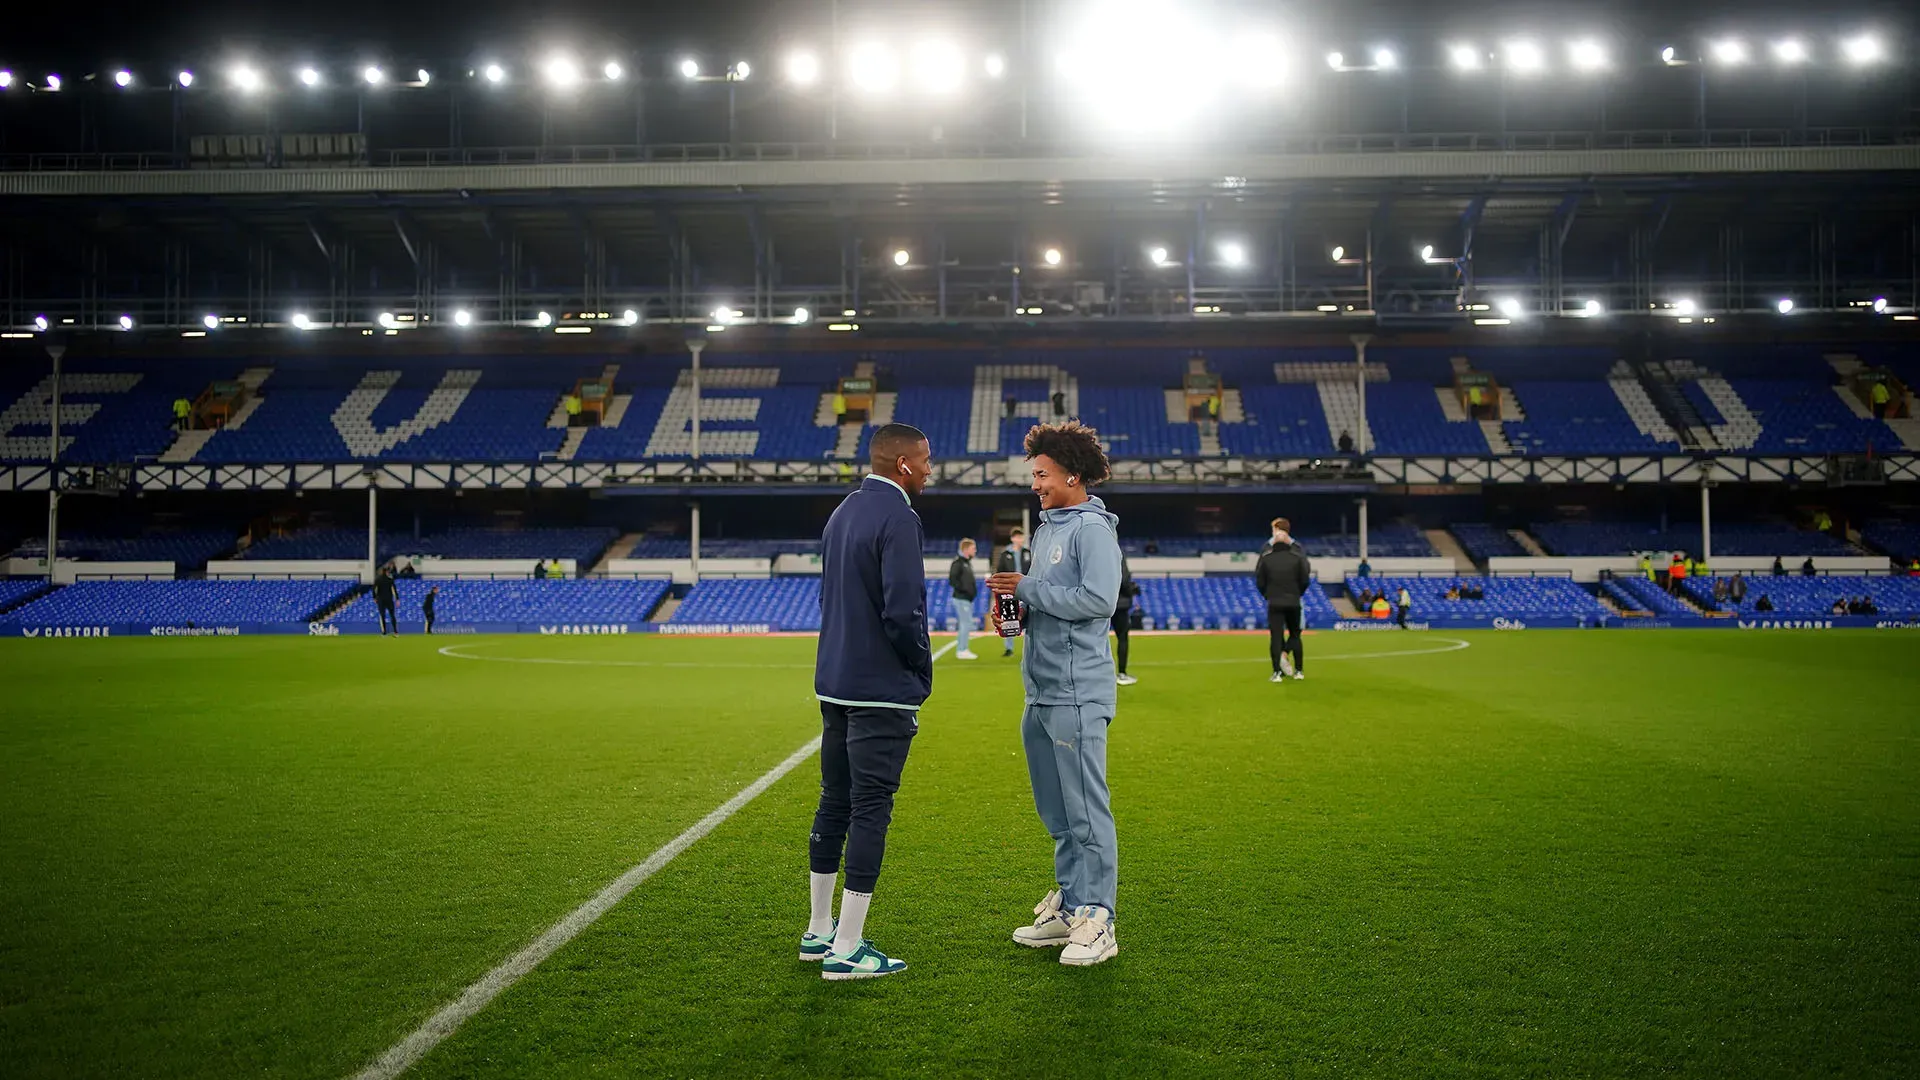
1067, 761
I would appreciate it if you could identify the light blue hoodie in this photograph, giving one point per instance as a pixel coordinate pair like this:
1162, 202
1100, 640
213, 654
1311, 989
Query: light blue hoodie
1070, 597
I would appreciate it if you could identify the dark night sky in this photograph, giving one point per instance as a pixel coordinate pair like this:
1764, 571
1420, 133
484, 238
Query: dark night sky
138, 32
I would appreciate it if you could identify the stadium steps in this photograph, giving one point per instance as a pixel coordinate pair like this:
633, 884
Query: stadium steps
1526, 540
1340, 401
1449, 548
1741, 429
1661, 382
570, 444
1343, 606
1177, 406
1608, 601
1496, 437
823, 414
1450, 406
1908, 431
339, 605
1853, 403
1844, 365
29, 597
848, 443
187, 443
619, 549
1233, 410
1639, 405
617, 407
884, 404
666, 609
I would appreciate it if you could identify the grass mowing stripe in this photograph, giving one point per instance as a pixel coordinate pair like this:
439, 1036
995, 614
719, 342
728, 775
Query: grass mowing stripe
452, 651
448, 1020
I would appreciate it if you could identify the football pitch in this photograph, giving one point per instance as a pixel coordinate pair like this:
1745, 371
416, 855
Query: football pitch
1544, 853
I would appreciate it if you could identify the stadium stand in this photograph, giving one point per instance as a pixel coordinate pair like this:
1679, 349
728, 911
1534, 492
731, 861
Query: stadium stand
1576, 418
14, 591
1899, 539
572, 601
1507, 597
1808, 597
584, 543
179, 603
940, 614
1582, 538
1639, 594
188, 549
1483, 542
785, 603
1218, 603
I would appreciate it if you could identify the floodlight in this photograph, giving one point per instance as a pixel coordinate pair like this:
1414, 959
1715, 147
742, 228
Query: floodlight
211, 322
1587, 55
803, 69
873, 68
39, 322
1233, 253
1507, 306
123, 78
422, 77
740, 70
494, 73
1158, 255
1526, 57
1336, 61
1464, 57
690, 68
801, 315
1730, 51
613, 71
938, 66
1784, 306
1879, 305
126, 322
901, 258
1426, 253
185, 79
630, 317
53, 83
463, 317
1338, 253
1384, 59
309, 77
1790, 51
373, 75
996, 66
1593, 307
300, 321
1667, 55
1864, 49
6, 80
543, 319
387, 320
247, 79
1052, 257
562, 71
1684, 306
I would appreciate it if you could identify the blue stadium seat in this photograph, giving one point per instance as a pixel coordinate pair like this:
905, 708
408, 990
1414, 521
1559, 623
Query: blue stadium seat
1584, 538
188, 549
1813, 597
1505, 597
1483, 542
177, 603
786, 603
535, 600
1227, 602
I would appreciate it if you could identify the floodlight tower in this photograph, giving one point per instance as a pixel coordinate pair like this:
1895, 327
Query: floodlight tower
56, 351
696, 344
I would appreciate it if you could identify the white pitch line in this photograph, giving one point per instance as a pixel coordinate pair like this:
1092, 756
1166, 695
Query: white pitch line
453, 651
411, 1049
1453, 645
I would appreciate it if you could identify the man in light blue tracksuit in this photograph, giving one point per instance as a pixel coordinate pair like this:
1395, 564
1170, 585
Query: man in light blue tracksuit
1067, 666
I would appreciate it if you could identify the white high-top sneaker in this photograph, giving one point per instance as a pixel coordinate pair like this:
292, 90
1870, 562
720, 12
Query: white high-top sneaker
1090, 938
1049, 928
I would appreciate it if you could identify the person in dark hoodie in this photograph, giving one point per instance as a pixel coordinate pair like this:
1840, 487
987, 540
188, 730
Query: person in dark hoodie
1122, 622
1067, 669
873, 671
385, 594
1283, 576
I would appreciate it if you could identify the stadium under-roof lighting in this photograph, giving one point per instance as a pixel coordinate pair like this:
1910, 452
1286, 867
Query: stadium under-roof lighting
309, 77
1052, 257
1593, 308
1864, 49
1684, 307
1784, 306
300, 321
1879, 305
1526, 57
873, 68
1790, 51
1426, 253
1338, 253
996, 66
1730, 51
901, 257
1668, 55
1464, 57
123, 78
1233, 253
387, 320
211, 322
630, 317
494, 73
53, 83
801, 315
40, 322
1158, 256
739, 71
1587, 55
422, 76
126, 322
543, 319
6, 80
463, 317
562, 71
1384, 59
938, 66
373, 75
1336, 61
246, 78
803, 69
1507, 306
185, 79
689, 68
613, 71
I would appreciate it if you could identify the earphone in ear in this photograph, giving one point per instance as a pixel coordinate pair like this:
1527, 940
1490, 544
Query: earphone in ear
1072, 480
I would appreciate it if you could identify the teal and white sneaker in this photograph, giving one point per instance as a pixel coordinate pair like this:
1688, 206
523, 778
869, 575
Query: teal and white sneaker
1091, 941
1049, 928
866, 962
815, 947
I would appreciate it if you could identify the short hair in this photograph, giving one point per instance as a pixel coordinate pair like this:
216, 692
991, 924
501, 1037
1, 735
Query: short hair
967, 542
1282, 525
1017, 531
1074, 446
891, 443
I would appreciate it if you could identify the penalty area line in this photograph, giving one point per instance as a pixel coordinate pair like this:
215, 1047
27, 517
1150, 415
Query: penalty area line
403, 1054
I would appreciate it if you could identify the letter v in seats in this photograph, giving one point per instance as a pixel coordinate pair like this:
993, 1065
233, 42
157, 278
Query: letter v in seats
354, 418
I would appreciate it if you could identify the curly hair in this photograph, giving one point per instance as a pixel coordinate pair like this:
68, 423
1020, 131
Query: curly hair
1074, 446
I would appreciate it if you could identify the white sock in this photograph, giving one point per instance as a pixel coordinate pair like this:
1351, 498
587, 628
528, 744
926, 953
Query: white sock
820, 924
853, 922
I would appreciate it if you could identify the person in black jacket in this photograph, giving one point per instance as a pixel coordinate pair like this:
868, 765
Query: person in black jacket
1014, 559
1122, 617
965, 588
384, 595
426, 606
1283, 576
872, 672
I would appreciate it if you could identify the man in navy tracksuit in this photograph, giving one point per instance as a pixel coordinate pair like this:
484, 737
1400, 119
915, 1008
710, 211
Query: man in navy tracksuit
873, 672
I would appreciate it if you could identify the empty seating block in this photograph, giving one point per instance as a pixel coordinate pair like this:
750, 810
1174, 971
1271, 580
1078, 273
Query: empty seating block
15, 590
1900, 539
1506, 597
179, 603
1620, 538
940, 609
575, 601
1218, 603
1576, 418
785, 603
1813, 597
1483, 542
583, 543
188, 549
1639, 594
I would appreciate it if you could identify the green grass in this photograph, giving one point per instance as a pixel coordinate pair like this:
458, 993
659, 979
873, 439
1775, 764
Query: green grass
1551, 853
